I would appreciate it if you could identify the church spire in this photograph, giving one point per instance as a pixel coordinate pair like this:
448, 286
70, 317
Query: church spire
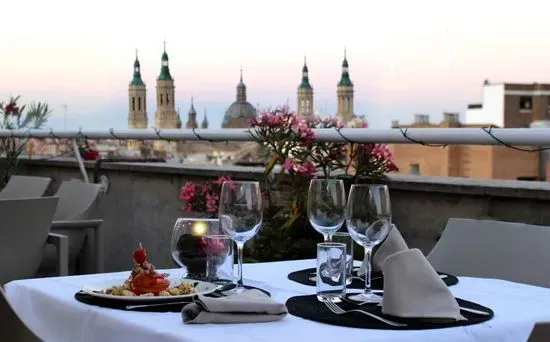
345, 79
305, 77
241, 89
204, 123
136, 79
165, 70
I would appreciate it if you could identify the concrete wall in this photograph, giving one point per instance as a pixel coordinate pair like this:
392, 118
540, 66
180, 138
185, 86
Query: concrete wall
142, 203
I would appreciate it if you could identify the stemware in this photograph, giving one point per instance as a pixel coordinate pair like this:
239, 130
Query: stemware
326, 206
368, 221
240, 214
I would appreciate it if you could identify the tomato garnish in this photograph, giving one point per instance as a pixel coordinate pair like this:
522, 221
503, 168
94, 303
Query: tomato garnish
147, 283
140, 255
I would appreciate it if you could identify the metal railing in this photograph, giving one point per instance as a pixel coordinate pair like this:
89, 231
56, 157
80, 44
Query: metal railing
442, 136
436, 137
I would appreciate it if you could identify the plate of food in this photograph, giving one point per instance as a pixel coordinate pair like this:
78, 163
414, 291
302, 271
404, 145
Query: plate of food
145, 284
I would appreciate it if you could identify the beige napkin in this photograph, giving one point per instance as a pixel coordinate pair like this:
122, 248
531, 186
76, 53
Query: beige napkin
393, 243
412, 288
249, 306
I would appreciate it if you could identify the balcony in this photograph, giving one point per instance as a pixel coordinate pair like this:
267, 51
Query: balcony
142, 204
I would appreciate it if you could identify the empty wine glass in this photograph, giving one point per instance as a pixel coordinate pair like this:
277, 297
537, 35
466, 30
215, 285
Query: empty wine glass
326, 206
241, 215
368, 221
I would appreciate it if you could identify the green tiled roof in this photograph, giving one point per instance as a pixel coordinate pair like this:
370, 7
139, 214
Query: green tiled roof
136, 80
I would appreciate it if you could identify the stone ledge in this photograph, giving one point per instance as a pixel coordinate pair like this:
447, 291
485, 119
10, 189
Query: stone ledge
450, 185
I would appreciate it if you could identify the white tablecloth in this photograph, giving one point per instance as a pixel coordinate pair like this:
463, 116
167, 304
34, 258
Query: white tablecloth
49, 308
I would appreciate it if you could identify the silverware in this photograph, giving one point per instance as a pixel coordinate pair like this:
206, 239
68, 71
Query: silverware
474, 311
339, 311
132, 307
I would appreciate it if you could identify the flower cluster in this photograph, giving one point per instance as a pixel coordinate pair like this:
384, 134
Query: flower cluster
211, 246
288, 140
88, 151
204, 197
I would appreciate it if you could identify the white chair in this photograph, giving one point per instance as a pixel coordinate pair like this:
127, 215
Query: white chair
13, 328
25, 187
540, 333
25, 229
76, 201
493, 249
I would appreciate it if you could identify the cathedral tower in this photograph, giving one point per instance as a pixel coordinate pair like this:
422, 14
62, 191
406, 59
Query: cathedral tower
345, 94
137, 113
166, 115
305, 94
204, 123
192, 117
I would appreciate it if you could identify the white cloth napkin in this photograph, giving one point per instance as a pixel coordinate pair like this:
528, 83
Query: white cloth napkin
249, 306
393, 243
413, 289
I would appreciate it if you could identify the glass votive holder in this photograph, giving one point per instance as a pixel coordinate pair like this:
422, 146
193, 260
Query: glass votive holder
189, 245
331, 270
345, 238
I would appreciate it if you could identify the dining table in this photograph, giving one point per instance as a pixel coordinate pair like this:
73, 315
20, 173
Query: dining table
48, 306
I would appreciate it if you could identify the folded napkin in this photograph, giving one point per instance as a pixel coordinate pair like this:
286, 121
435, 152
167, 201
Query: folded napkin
413, 289
393, 243
249, 306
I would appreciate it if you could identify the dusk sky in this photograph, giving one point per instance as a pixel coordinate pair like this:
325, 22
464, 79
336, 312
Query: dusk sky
406, 57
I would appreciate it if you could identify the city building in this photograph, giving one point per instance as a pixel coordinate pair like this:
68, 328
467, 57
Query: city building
192, 117
504, 105
344, 92
510, 105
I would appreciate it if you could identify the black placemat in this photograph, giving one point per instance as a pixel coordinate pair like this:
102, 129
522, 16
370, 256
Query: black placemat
309, 307
168, 305
377, 281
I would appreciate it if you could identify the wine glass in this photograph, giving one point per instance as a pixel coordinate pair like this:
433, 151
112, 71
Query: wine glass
369, 222
326, 206
241, 215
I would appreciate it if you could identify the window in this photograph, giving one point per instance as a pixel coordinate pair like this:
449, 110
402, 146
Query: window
167, 99
139, 103
133, 103
161, 99
525, 103
414, 169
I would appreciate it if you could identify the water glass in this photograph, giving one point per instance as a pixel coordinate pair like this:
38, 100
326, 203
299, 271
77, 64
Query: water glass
345, 238
219, 257
331, 270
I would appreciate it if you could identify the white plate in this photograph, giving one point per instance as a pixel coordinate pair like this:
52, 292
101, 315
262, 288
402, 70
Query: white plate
203, 287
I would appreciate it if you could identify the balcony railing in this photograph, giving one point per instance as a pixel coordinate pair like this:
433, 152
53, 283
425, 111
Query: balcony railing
442, 136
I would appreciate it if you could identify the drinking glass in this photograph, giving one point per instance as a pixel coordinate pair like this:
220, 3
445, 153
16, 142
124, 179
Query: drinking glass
331, 270
219, 255
345, 238
369, 222
241, 215
188, 245
326, 206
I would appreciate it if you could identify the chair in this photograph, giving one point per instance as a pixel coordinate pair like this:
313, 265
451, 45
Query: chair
13, 328
25, 230
76, 200
540, 333
25, 187
493, 249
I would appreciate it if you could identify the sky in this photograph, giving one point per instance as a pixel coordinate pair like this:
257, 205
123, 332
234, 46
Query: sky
406, 57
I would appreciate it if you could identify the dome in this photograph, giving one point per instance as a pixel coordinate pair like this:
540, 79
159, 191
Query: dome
239, 110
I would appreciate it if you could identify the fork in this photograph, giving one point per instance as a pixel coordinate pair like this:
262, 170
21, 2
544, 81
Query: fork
339, 311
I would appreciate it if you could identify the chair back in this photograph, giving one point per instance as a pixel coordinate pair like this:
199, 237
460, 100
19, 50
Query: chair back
75, 200
24, 230
25, 187
493, 249
540, 333
13, 328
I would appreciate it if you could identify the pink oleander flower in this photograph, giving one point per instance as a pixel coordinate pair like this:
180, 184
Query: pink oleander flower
288, 165
188, 191
212, 201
